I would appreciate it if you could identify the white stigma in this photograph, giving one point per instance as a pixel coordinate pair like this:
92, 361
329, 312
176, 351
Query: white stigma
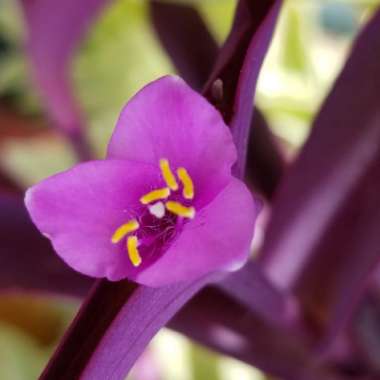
158, 210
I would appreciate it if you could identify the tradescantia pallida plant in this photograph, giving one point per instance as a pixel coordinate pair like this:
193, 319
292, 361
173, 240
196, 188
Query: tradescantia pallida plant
165, 221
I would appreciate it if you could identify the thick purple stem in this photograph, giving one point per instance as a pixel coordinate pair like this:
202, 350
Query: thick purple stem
124, 326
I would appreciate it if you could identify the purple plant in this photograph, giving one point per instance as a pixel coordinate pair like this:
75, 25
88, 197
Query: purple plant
308, 308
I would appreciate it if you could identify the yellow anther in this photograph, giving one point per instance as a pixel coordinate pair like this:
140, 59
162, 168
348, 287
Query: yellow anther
133, 251
125, 229
180, 210
187, 182
168, 174
155, 195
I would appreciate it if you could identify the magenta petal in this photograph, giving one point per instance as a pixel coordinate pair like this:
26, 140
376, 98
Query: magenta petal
218, 238
80, 209
167, 119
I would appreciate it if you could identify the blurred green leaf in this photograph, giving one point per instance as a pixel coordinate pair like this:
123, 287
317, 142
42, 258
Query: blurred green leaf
20, 356
33, 159
294, 53
30, 327
204, 364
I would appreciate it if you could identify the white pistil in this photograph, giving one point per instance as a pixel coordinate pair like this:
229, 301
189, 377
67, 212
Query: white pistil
158, 210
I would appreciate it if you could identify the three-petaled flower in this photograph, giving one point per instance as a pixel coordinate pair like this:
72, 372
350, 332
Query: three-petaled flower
163, 207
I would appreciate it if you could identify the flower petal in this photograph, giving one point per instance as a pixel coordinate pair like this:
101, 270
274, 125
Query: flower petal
218, 238
167, 119
80, 209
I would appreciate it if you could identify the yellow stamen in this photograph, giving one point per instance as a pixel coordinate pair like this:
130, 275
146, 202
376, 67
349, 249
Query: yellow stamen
168, 174
133, 251
187, 182
125, 229
180, 210
155, 195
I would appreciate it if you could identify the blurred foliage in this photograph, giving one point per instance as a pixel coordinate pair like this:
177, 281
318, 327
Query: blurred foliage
303, 61
30, 327
120, 55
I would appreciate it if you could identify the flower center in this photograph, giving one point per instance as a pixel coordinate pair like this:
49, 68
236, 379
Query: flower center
158, 203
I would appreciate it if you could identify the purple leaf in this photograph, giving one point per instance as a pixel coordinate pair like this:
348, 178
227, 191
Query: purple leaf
53, 32
265, 162
232, 330
232, 83
365, 329
178, 26
326, 214
345, 257
27, 260
252, 289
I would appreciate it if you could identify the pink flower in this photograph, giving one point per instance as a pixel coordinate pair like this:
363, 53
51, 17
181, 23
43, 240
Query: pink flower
163, 206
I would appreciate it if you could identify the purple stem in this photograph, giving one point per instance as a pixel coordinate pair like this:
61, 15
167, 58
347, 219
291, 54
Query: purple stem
109, 334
